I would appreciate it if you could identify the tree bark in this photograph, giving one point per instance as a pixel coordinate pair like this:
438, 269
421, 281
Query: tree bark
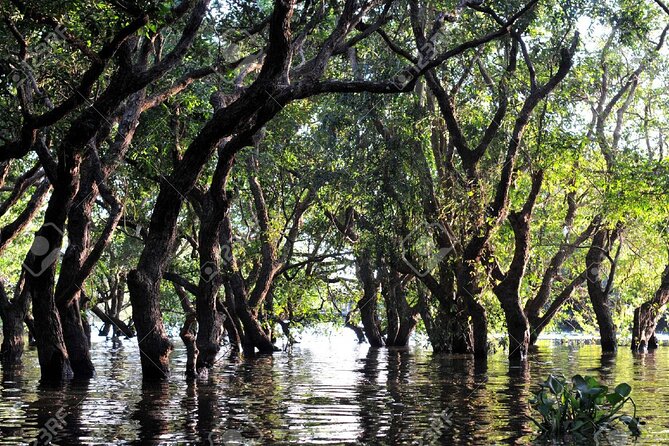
647, 316
508, 289
12, 336
214, 207
401, 318
13, 314
598, 292
188, 335
368, 304
467, 289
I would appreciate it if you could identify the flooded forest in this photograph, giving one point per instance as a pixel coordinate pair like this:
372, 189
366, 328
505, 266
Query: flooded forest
342, 222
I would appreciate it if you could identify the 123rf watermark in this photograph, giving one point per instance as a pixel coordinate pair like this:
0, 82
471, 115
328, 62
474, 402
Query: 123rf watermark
51, 428
22, 71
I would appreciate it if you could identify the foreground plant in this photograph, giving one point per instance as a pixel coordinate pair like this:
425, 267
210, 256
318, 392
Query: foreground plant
583, 407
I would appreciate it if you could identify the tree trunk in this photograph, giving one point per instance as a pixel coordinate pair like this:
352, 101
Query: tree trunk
468, 290
647, 316
209, 321
368, 304
188, 334
508, 290
13, 314
78, 233
518, 328
599, 293
154, 346
76, 341
40, 269
213, 208
12, 336
402, 319
231, 320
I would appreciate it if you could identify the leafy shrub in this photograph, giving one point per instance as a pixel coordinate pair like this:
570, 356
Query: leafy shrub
583, 407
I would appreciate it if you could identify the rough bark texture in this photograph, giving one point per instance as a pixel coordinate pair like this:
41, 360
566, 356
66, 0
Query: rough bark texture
213, 207
368, 303
598, 292
508, 289
188, 334
647, 316
12, 337
401, 317
13, 313
467, 288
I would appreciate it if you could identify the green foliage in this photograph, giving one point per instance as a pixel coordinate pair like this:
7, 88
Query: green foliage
581, 408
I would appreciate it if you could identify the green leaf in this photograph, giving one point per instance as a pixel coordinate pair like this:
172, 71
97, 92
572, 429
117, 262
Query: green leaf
623, 389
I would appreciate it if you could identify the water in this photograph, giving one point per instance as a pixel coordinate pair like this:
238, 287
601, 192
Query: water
326, 391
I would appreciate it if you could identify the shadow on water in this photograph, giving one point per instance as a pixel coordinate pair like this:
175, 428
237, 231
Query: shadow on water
320, 393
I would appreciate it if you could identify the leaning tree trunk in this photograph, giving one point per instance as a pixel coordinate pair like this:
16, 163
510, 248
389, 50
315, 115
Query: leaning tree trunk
40, 270
647, 316
599, 294
244, 314
231, 321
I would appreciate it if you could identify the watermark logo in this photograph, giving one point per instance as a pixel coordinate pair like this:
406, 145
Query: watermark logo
21, 72
425, 54
239, 47
209, 271
420, 251
52, 426
42, 249
437, 428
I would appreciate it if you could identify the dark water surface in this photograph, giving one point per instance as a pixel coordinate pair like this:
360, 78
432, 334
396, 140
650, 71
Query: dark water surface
326, 392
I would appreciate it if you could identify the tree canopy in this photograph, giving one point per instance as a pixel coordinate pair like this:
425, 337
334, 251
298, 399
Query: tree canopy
235, 172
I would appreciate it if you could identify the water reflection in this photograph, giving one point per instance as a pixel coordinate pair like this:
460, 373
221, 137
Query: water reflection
326, 392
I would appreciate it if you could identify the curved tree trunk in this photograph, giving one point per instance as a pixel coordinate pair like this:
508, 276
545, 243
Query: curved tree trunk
518, 328
508, 289
188, 334
78, 233
40, 270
